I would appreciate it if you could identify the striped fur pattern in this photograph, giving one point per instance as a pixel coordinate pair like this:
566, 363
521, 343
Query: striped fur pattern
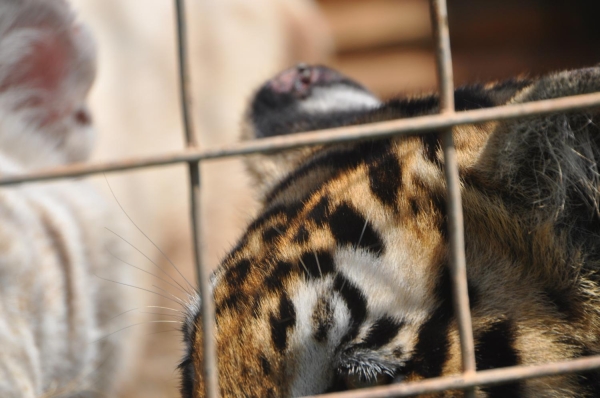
342, 281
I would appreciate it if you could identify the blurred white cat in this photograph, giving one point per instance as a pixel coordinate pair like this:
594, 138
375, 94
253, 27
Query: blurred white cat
56, 311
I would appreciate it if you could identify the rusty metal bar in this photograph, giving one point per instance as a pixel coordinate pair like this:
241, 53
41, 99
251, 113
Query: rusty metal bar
464, 381
409, 126
458, 268
184, 75
211, 383
443, 55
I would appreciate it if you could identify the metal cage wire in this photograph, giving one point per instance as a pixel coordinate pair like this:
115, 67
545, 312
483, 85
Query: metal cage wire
441, 123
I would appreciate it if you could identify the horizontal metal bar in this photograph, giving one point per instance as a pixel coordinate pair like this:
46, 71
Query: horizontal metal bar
342, 134
482, 378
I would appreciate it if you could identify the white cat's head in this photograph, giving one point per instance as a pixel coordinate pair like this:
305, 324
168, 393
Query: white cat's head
47, 66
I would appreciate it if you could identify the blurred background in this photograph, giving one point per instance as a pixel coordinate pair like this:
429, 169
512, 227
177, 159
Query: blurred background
234, 46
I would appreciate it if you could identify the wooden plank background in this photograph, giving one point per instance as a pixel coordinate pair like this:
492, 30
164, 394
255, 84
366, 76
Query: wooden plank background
386, 44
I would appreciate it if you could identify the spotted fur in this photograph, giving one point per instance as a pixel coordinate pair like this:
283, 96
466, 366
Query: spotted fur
342, 280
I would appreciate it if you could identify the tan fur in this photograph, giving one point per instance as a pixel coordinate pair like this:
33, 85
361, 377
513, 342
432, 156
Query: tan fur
531, 262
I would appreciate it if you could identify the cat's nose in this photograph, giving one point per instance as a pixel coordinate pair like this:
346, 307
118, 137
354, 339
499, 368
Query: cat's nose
300, 79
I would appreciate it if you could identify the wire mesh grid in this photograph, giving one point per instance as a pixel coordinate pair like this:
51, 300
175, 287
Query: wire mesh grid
441, 123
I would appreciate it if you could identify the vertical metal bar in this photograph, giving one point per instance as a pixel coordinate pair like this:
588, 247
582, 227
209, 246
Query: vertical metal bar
439, 17
211, 384
184, 75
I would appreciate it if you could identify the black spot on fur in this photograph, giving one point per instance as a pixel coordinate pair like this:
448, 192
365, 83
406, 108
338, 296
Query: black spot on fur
274, 281
505, 90
472, 97
237, 273
495, 349
465, 98
566, 302
355, 301
301, 236
589, 382
232, 302
439, 205
318, 213
381, 333
341, 161
318, 264
414, 206
419, 184
270, 234
385, 178
282, 322
264, 365
405, 107
323, 318
431, 351
241, 244
322, 331
431, 146
350, 228
398, 352
286, 211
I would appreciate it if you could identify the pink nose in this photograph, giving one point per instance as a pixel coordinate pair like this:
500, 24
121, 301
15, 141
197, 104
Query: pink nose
299, 79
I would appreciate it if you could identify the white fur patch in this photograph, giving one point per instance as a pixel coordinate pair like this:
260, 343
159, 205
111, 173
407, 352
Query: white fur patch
338, 98
313, 368
393, 283
395, 286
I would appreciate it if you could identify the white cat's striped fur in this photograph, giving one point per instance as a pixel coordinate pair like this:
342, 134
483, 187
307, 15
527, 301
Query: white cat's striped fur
54, 310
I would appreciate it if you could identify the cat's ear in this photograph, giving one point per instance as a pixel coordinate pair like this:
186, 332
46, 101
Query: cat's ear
47, 66
553, 159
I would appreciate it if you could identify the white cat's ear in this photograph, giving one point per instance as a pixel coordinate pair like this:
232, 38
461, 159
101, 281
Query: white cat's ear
47, 64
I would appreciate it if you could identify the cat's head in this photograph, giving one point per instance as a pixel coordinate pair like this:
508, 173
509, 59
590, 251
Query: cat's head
47, 66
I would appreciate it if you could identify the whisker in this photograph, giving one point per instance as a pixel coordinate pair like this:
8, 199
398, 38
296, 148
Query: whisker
130, 326
343, 284
159, 313
318, 263
280, 232
164, 321
304, 265
122, 313
165, 308
136, 287
362, 233
148, 272
146, 236
163, 331
179, 299
148, 258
